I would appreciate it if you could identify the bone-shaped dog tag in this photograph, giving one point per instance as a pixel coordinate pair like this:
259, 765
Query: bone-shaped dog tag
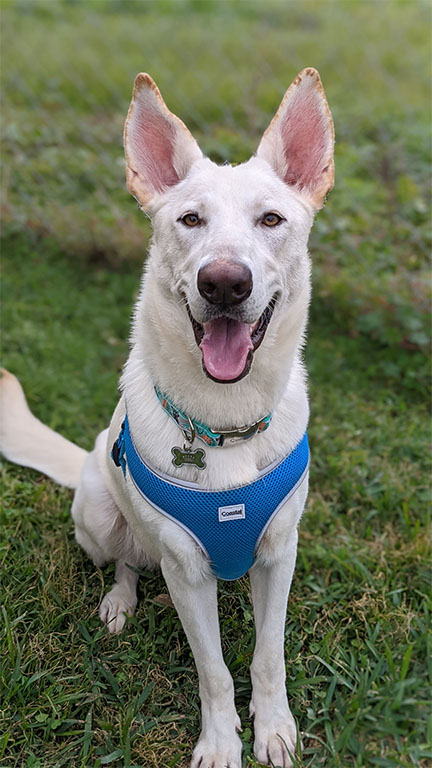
187, 456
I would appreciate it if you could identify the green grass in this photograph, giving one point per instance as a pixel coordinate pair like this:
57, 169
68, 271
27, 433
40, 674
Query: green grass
358, 624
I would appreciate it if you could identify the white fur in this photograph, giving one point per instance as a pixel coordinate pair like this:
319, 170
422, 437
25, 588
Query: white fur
26, 441
112, 521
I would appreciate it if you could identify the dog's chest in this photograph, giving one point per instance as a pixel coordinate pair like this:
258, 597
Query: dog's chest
227, 524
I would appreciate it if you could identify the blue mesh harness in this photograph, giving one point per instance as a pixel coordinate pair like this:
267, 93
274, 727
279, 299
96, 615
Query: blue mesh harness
227, 525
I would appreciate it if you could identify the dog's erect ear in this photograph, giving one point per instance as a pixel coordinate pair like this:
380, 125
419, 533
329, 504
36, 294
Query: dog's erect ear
159, 148
299, 141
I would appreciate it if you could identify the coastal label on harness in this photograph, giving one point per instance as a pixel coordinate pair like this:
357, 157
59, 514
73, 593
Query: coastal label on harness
235, 512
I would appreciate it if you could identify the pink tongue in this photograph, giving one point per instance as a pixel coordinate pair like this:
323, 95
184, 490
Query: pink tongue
225, 347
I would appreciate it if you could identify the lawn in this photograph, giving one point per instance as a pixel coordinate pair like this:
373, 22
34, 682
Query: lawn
73, 244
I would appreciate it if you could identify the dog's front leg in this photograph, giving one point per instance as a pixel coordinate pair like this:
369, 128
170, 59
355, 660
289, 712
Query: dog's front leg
275, 729
219, 745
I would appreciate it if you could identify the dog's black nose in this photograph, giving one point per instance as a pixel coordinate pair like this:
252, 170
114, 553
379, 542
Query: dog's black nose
225, 282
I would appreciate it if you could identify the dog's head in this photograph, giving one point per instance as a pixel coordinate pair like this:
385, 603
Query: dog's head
232, 240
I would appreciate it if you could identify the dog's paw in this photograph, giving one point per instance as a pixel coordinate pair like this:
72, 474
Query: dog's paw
275, 737
275, 744
114, 608
217, 751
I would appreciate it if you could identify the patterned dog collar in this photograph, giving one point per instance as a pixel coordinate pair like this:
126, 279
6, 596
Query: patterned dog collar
203, 432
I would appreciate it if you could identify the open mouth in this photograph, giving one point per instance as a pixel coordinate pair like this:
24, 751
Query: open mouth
228, 345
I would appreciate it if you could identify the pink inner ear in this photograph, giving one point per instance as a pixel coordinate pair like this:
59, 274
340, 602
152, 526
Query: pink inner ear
152, 149
305, 141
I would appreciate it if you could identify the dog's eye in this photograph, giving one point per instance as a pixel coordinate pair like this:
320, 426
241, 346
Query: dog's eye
191, 219
271, 219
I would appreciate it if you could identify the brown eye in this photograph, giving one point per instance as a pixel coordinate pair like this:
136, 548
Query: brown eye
191, 219
271, 219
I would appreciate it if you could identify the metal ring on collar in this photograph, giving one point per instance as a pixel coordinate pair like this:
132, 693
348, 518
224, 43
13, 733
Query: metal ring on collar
189, 437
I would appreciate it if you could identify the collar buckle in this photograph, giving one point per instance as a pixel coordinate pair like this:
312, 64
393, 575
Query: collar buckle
238, 434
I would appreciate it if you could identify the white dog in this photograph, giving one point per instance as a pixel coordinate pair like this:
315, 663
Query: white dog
203, 470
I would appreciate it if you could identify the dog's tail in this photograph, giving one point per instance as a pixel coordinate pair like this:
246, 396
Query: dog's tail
25, 440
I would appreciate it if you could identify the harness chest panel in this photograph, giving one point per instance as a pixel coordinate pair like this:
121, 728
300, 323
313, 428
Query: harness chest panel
228, 525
